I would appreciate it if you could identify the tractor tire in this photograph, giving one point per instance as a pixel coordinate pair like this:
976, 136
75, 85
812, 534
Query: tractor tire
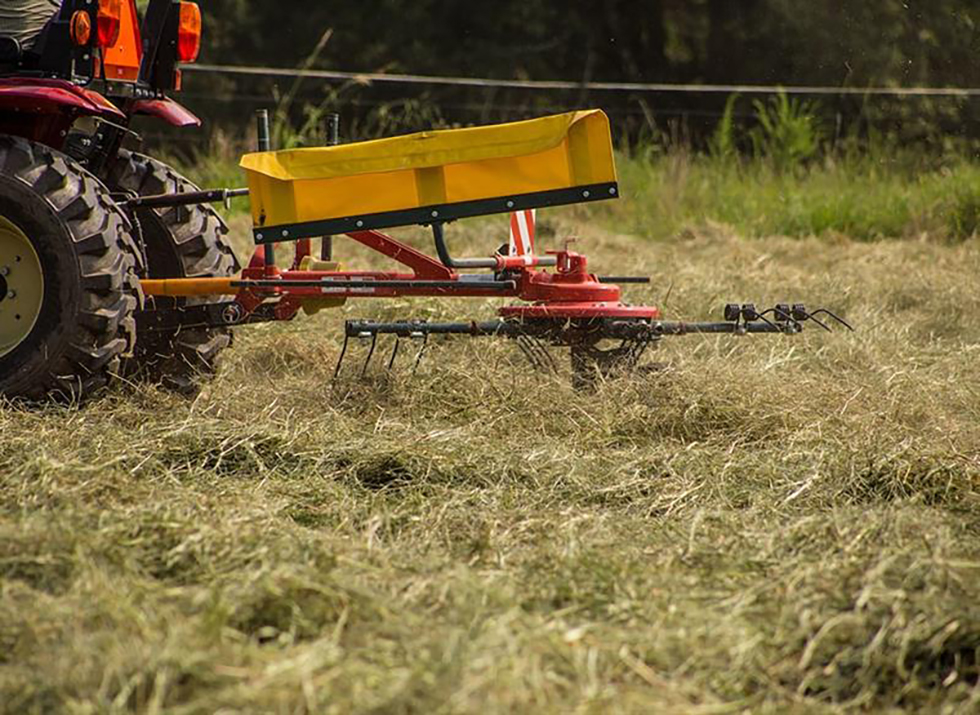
181, 242
69, 283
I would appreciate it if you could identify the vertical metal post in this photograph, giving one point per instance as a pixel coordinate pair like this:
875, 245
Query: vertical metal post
265, 144
333, 129
333, 139
262, 127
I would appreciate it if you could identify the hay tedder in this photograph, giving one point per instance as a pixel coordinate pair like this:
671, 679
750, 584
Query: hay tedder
110, 262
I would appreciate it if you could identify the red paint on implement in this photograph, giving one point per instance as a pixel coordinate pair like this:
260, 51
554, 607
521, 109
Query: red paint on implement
580, 310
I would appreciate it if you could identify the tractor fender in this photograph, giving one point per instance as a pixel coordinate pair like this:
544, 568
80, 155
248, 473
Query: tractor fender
174, 114
40, 96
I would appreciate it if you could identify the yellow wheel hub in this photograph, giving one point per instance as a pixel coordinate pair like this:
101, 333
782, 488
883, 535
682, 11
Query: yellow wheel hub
21, 286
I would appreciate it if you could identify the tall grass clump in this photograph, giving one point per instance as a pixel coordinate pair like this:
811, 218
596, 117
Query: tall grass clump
782, 175
724, 142
788, 132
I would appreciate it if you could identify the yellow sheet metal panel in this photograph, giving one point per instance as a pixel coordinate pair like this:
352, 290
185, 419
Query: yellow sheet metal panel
514, 175
430, 169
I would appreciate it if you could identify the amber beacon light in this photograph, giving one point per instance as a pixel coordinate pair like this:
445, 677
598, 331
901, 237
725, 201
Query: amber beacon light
189, 32
81, 28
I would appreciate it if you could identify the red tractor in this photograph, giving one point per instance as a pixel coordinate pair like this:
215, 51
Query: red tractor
112, 263
74, 239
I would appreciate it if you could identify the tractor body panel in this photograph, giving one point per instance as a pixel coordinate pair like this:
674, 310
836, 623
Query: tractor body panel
167, 110
43, 110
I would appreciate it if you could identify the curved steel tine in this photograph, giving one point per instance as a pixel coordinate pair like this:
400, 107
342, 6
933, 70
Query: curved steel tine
340, 360
762, 316
421, 352
824, 311
367, 360
394, 353
532, 353
551, 361
781, 314
638, 349
789, 320
819, 322
547, 361
528, 354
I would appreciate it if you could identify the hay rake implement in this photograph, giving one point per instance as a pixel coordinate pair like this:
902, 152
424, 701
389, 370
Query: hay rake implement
432, 179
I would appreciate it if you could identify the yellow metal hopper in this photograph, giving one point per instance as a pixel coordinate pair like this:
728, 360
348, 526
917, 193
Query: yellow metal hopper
431, 176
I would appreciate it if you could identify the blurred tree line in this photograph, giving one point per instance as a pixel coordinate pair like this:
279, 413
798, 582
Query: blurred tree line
853, 43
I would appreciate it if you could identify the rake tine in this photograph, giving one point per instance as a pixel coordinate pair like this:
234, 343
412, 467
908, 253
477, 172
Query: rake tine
762, 316
523, 349
340, 360
367, 360
421, 352
523, 342
394, 353
819, 322
824, 311
636, 350
535, 347
549, 359
534, 350
780, 316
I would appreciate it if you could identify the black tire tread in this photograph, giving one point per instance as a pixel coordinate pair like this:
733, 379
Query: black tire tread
108, 262
197, 235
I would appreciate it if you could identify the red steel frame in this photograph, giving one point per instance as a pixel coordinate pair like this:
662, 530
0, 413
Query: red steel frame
569, 292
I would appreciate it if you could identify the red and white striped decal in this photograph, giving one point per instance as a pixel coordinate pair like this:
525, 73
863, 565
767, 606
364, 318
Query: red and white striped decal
522, 232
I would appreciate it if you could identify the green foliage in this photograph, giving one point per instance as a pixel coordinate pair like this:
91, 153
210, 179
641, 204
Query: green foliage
788, 132
723, 144
965, 211
895, 194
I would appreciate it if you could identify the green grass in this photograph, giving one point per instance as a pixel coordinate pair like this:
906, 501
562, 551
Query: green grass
863, 197
769, 525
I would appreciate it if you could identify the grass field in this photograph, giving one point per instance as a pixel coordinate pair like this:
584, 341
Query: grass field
768, 525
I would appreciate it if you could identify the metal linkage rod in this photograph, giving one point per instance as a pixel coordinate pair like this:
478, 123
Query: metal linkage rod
188, 198
447, 260
442, 250
361, 284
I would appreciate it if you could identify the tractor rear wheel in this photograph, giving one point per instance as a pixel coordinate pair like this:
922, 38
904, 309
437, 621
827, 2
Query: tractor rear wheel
180, 242
68, 276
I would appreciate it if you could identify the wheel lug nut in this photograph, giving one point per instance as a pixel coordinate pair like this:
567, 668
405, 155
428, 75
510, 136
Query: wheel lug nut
12, 294
4, 271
